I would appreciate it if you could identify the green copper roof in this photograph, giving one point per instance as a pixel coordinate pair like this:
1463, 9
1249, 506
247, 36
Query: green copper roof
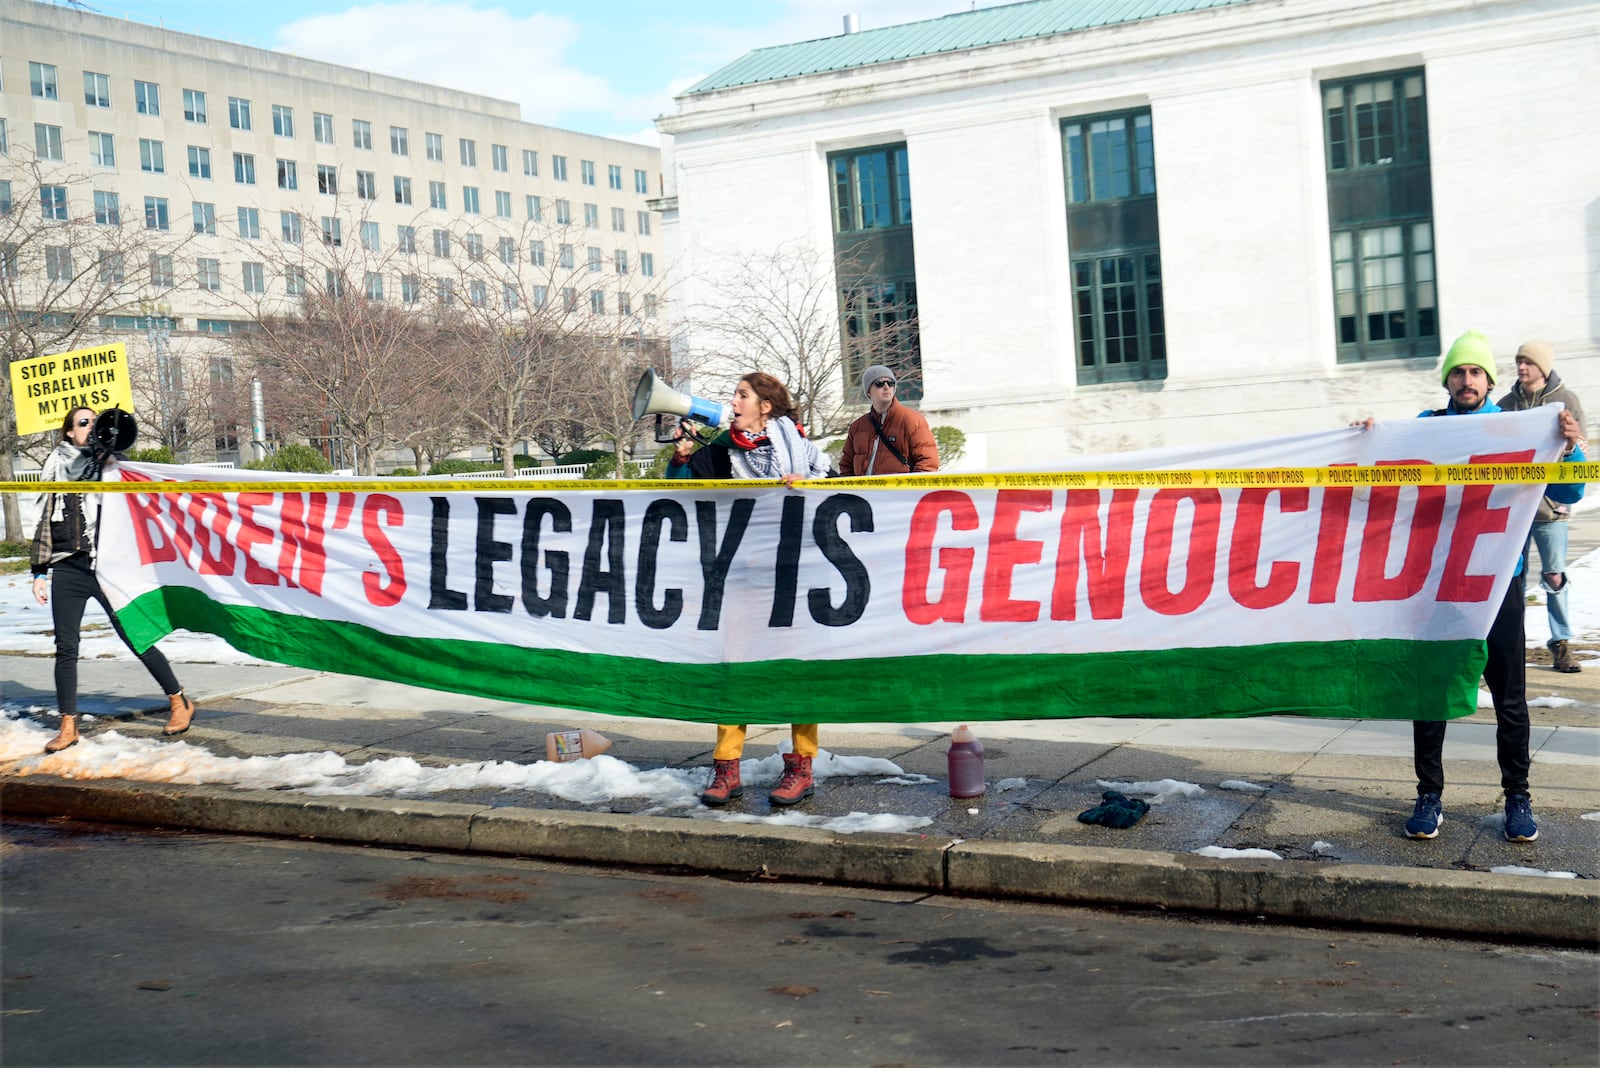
951, 33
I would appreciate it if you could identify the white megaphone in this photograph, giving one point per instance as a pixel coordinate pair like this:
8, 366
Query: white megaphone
654, 397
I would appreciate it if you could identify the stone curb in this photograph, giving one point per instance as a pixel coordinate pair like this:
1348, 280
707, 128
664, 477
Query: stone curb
1413, 899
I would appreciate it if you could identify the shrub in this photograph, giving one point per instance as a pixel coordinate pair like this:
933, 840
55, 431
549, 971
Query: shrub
294, 457
519, 461
658, 465
456, 467
582, 456
160, 454
403, 472
952, 443
834, 448
602, 466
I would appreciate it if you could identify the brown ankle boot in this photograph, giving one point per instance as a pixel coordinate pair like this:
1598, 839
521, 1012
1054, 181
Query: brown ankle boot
796, 783
1563, 658
725, 785
66, 738
182, 713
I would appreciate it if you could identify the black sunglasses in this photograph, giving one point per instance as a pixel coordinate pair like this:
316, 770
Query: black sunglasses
880, 383
85, 422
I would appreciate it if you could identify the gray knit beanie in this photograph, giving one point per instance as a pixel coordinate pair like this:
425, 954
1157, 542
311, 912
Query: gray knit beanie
872, 374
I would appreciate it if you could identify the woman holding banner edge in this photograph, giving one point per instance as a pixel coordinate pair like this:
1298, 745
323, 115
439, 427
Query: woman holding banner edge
63, 557
763, 441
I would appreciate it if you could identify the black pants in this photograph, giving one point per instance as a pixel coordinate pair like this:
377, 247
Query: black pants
1506, 673
72, 586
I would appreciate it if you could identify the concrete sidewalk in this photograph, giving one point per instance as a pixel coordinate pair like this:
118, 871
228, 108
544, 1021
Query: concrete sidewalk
1336, 795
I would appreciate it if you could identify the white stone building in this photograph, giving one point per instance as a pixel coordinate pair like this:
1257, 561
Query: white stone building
1142, 223
250, 152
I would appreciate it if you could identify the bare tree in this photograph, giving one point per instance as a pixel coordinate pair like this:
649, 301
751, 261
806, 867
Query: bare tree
69, 261
780, 312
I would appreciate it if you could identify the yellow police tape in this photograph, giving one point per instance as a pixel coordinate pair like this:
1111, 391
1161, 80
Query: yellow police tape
1192, 478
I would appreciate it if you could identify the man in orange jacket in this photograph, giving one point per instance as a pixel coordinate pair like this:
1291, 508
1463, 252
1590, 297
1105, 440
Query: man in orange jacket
890, 439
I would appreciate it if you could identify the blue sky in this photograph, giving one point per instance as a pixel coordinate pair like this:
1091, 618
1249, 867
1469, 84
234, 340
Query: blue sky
605, 67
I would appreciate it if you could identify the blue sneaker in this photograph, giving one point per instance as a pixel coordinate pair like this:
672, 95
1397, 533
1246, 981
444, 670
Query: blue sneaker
1519, 819
1424, 822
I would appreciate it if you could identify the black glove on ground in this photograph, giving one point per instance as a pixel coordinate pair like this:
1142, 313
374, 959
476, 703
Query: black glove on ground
1118, 811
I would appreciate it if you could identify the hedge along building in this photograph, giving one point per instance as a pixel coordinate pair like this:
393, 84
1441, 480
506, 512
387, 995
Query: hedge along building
1142, 222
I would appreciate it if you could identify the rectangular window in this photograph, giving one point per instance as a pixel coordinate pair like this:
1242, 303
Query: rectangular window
530, 163
445, 290
1380, 214
474, 246
152, 156
53, 202
250, 223
294, 280
328, 179
96, 90
1117, 305
161, 271
288, 174
563, 213
614, 176
469, 152
155, 214
42, 81
541, 296
322, 127
107, 212
372, 284
641, 181
619, 221
289, 223
205, 218
369, 236
1109, 157
402, 190
620, 258
110, 267
239, 113
441, 243
147, 98
469, 199
871, 189
5, 145
282, 120
361, 132
565, 258
333, 282
647, 264
586, 171
478, 293
58, 263
502, 204
624, 304
194, 106
500, 157
558, 168
208, 273
597, 301
5, 196
399, 141
366, 185
199, 162
436, 196
435, 147
406, 240
591, 216
102, 149
536, 253
47, 141
649, 305
253, 278
569, 299
594, 260
332, 231
509, 297
410, 289
244, 168
644, 224
508, 251
535, 208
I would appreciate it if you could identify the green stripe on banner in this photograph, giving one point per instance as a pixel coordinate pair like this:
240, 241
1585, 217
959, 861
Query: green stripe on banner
1377, 679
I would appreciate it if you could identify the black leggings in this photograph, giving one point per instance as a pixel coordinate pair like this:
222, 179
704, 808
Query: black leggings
72, 586
1506, 674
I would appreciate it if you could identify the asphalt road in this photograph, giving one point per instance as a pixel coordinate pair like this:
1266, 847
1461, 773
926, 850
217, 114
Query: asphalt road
135, 947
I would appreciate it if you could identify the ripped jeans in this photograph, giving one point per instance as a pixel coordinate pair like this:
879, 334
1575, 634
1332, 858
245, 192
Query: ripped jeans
1550, 538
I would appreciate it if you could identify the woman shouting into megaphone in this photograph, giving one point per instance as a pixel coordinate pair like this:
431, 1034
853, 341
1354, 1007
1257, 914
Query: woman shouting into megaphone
63, 577
763, 440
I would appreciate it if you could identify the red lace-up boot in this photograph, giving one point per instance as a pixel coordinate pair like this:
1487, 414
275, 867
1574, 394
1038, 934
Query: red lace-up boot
725, 785
796, 783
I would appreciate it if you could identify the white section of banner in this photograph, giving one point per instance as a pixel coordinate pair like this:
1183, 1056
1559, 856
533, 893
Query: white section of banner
817, 574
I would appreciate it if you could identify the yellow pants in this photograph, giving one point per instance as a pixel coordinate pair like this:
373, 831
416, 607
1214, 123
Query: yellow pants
730, 741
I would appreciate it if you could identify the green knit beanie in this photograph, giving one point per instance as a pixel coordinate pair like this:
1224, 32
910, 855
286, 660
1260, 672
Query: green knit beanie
1471, 347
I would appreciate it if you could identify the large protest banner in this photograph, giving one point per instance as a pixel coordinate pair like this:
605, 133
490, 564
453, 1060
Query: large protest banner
749, 602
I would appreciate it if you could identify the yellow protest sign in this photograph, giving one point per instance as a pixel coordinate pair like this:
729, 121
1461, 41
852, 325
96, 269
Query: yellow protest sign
46, 388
